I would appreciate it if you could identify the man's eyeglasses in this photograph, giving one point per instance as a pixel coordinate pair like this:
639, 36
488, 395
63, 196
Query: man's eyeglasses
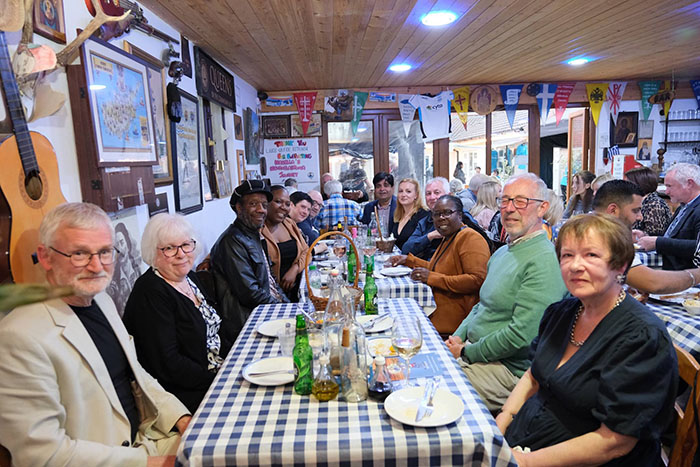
171, 250
80, 259
520, 202
443, 214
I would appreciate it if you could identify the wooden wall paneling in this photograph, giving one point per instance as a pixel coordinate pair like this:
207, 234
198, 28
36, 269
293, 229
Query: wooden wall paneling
592, 131
441, 158
533, 139
323, 164
489, 126
585, 162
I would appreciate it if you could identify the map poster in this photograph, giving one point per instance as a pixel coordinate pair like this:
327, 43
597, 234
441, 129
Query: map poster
295, 158
120, 104
186, 157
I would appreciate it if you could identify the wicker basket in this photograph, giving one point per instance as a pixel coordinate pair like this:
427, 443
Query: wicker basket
321, 302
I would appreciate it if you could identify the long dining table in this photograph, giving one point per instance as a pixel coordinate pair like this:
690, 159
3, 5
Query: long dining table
683, 327
240, 423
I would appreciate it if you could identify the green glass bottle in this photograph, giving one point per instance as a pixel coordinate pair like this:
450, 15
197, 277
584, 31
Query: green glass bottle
303, 360
370, 288
352, 265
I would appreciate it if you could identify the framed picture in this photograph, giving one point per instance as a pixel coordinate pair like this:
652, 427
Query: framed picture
624, 134
158, 205
315, 126
253, 138
185, 56
646, 129
120, 105
240, 164
163, 170
238, 127
49, 21
187, 160
276, 126
644, 149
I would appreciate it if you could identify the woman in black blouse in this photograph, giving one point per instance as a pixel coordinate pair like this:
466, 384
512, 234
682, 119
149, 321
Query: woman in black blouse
175, 328
603, 378
409, 210
656, 215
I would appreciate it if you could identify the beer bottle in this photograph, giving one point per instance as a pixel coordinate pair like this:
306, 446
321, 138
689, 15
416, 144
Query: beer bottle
303, 360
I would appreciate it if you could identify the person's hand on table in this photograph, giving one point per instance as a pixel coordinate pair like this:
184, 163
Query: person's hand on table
397, 260
434, 235
420, 274
647, 243
160, 461
455, 345
182, 422
637, 234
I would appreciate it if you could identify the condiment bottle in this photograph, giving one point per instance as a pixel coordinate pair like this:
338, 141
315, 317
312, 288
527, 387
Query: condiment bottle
380, 382
303, 359
325, 388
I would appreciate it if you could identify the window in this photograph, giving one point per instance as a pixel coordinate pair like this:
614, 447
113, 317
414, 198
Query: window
509, 147
351, 158
409, 156
468, 145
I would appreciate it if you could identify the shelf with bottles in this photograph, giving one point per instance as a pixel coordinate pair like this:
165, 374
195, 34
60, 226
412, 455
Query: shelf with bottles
688, 115
693, 142
684, 120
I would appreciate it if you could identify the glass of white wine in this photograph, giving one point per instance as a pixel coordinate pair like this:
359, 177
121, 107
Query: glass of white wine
340, 248
407, 339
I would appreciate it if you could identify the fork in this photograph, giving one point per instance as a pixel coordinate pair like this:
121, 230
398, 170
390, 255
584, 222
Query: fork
370, 324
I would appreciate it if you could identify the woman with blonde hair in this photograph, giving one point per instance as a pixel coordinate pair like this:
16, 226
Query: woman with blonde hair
486, 205
409, 210
550, 221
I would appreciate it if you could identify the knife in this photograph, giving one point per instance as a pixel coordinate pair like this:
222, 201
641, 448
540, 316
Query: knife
271, 372
423, 408
372, 322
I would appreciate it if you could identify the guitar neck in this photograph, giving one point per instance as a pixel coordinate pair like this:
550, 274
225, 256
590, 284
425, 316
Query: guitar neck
16, 110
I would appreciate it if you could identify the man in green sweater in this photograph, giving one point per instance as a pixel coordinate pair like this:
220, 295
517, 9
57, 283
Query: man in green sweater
523, 278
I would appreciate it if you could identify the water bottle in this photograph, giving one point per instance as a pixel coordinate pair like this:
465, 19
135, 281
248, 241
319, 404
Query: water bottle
315, 280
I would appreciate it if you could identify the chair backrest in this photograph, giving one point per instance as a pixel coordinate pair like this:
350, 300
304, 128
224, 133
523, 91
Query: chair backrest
686, 434
5, 458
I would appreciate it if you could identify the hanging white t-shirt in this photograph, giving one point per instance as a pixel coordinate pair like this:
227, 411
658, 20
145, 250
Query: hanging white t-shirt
434, 114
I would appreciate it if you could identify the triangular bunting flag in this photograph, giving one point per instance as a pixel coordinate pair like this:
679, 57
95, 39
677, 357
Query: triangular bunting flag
614, 97
407, 112
544, 100
561, 99
305, 106
695, 84
510, 93
596, 97
668, 85
648, 88
461, 104
358, 105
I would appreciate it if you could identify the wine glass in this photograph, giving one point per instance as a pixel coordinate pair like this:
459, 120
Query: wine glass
340, 248
407, 339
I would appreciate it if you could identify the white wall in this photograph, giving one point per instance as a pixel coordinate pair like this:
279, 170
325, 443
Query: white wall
58, 128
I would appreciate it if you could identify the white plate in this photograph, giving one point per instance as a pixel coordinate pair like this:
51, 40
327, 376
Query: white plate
272, 328
403, 405
692, 293
269, 364
379, 326
380, 346
396, 271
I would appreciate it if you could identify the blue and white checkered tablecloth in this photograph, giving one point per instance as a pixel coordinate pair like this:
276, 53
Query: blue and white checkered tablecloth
651, 259
683, 327
243, 424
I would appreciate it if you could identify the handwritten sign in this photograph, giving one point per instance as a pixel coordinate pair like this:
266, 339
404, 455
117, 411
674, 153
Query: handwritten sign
293, 158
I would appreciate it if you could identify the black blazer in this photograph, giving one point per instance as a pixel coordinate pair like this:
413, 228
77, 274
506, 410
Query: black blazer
369, 209
678, 249
170, 336
408, 228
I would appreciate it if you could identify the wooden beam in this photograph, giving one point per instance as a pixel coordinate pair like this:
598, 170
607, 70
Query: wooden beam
533, 140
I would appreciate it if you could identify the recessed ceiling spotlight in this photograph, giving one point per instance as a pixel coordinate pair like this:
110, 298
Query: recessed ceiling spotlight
438, 18
577, 61
400, 67
97, 87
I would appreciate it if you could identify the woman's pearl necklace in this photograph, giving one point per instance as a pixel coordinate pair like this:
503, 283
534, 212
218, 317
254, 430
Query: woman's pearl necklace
576, 343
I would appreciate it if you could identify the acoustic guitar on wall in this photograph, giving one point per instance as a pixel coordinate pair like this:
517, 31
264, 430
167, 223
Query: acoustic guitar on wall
28, 179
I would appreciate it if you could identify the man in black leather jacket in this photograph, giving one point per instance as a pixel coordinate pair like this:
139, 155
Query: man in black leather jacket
239, 260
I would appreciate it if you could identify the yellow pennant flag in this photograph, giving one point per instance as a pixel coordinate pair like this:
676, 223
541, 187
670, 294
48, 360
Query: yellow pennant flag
596, 97
667, 104
461, 104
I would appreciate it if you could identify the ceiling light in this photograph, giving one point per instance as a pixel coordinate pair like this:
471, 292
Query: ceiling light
438, 18
577, 61
97, 87
400, 67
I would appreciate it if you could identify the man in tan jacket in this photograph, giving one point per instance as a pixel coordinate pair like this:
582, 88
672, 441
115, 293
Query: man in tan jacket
71, 389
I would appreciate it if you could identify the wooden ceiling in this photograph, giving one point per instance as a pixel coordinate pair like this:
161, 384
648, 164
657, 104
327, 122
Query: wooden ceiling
284, 45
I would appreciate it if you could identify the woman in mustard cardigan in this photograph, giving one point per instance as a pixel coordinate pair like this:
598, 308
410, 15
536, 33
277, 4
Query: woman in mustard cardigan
286, 247
456, 270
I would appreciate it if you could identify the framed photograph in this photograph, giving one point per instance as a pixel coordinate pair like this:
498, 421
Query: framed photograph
253, 138
624, 134
240, 164
644, 149
646, 129
158, 205
185, 56
187, 160
49, 21
238, 127
163, 170
276, 126
315, 126
120, 105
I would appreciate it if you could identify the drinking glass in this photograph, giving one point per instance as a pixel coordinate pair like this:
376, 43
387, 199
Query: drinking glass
340, 248
286, 337
407, 339
369, 246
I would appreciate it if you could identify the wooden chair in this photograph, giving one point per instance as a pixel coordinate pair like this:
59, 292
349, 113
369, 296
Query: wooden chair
5, 458
686, 433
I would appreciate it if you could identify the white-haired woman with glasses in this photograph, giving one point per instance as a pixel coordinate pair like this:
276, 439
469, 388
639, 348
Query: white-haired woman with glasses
174, 325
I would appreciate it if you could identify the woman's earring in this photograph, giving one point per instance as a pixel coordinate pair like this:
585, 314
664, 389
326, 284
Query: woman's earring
621, 278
